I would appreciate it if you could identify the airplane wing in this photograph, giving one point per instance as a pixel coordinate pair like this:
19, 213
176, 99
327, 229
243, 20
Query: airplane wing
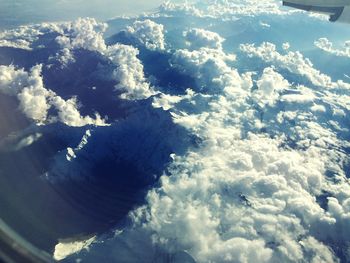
338, 10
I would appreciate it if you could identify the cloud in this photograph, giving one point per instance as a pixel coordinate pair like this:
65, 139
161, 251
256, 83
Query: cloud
327, 46
32, 97
85, 33
11, 79
27, 141
167, 102
293, 62
88, 34
64, 249
129, 72
242, 196
23, 37
241, 199
263, 176
198, 38
286, 46
222, 9
69, 114
208, 67
35, 100
64, 56
269, 86
147, 33
70, 156
315, 88
264, 25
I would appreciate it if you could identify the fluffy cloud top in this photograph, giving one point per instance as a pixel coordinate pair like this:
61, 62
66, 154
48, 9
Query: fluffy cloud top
24, 36
11, 79
269, 86
198, 38
33, 96
35, 100
222, 9
129, 72
208, 67
293, 62
88, 34
69, 114
148, 33
327, 46
84, 33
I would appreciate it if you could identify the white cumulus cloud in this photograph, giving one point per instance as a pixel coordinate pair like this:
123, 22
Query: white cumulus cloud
85, 33
129, 72
294, 62
327, 46
24, 36
198, 38
269, 86
35, 99
148, 33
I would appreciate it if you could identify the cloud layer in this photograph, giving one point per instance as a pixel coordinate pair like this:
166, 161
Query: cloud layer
244, 155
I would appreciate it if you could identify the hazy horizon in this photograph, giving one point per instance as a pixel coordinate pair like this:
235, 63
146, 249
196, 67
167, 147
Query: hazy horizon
18, 12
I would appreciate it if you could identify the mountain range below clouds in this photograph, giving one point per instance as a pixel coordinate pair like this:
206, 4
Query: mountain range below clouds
203, 131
